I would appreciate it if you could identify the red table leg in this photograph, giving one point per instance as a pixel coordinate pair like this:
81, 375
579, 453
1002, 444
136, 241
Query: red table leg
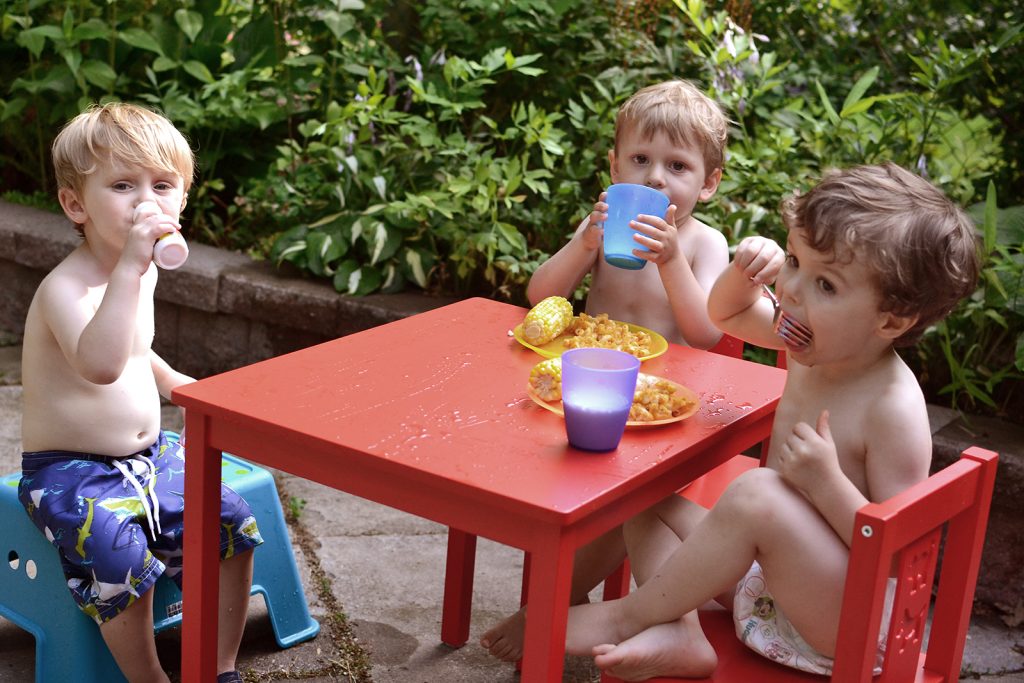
550, 585
458, 588
201, 561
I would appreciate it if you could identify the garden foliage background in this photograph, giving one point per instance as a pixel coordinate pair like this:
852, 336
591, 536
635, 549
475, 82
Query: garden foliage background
452, 146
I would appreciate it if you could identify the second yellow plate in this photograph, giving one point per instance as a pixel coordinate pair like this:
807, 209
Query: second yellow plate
556, 406
556, 347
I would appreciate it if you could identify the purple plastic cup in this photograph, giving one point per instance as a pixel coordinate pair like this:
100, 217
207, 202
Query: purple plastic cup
597, 393
625, 202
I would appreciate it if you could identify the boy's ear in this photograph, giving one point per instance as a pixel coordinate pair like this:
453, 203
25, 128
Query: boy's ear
892, 326
72, 205
614, 168
184, 201
711, 185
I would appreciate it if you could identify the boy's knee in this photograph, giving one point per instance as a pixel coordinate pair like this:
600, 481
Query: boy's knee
754, 492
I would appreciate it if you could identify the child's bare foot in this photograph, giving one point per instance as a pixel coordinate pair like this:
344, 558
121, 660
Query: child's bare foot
505, 640
674, 649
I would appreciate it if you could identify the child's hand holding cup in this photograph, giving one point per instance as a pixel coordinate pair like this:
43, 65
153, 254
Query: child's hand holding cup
625, 202
170, 250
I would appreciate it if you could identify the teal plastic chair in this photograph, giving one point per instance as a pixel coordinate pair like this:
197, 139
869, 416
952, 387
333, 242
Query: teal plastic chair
69, 647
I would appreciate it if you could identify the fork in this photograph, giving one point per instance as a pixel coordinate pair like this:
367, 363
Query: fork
790, 330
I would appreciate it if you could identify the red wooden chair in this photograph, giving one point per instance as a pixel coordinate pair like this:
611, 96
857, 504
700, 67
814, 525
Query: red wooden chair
902, 532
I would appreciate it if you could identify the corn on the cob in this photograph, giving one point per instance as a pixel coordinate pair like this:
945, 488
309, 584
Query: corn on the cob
546, 379
547, 320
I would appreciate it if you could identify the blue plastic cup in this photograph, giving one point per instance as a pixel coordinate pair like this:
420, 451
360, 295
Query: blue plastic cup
625, 202
597, 393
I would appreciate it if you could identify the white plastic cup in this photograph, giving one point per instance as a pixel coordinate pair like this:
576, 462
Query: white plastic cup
625, 202
170, 250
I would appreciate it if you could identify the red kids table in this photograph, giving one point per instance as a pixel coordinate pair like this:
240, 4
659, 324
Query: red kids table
430, 415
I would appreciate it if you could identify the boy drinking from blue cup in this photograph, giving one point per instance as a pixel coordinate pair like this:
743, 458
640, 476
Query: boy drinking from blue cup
670, 137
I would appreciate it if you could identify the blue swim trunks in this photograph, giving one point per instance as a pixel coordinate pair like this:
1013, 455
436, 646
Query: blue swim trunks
117, 522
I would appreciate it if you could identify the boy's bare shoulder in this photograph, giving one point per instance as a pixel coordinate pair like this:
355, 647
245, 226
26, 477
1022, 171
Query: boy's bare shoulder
706, 238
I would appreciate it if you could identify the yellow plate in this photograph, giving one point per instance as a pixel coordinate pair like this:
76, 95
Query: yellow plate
556, 406
556, 347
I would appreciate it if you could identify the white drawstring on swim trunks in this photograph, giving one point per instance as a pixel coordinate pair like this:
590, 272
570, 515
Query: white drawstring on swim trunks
152, 512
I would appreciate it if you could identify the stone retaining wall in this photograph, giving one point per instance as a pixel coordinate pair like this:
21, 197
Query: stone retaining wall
219, 311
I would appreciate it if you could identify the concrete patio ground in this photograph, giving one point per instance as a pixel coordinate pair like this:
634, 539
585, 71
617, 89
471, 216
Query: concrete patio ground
384, 570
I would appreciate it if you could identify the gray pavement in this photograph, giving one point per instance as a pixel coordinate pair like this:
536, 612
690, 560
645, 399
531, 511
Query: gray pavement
383, 570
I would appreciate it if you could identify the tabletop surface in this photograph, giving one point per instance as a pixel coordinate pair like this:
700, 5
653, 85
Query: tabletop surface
443, 394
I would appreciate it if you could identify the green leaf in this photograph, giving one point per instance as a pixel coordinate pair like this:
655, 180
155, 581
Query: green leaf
162, 63
90, 30
344, 273
99, 74
858, 90
338, 24
140, 38
378, 240
991, 219
34, 39
198, 70
190, 23
415, 263
364, 281
829, 111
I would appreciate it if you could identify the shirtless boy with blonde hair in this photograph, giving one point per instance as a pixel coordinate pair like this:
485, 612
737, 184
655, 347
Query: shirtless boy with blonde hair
874, 255
669, 136
99, 477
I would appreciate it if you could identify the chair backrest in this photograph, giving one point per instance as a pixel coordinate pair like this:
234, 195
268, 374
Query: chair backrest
905, 532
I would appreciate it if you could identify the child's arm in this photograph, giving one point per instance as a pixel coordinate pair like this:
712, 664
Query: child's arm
687, 278
808, 461
99, 342
167, 378
561, 274
897, 456
736, 304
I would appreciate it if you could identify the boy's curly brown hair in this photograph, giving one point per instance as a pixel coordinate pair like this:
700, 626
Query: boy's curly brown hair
921, 247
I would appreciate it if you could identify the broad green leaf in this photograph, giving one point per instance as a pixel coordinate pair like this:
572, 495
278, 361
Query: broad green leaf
190, 23
343, 274
339, 24
34, 39
99, 74
198, 70
90, 30
161, 64
364, 281
140, 38
379, 240
290, 252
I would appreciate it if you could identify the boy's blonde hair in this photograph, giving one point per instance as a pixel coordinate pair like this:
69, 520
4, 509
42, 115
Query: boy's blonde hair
124, 132
920, 247
680, 110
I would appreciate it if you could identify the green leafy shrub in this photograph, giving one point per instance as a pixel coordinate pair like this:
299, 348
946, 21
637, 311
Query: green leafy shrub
452, 147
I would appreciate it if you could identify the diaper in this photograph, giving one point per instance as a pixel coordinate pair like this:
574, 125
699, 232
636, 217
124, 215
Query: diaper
762, 626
